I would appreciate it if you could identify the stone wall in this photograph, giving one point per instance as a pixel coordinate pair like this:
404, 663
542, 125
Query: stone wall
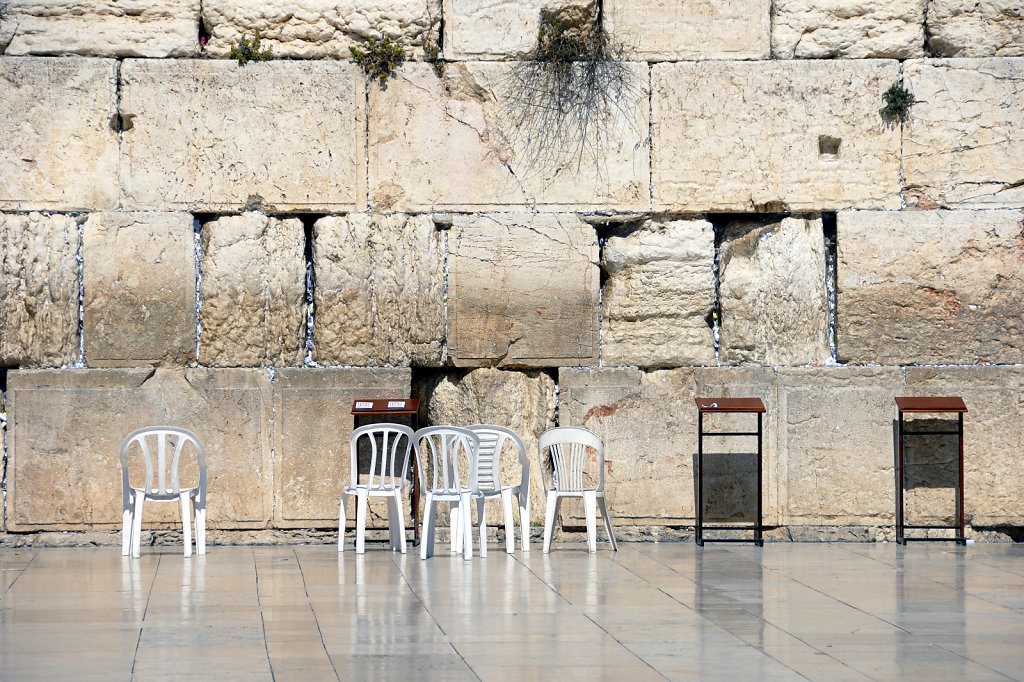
722, 210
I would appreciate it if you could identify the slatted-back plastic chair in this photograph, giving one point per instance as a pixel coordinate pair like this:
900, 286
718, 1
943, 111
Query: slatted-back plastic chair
452, 453
162, 484
489, 484
568, 447
389, 447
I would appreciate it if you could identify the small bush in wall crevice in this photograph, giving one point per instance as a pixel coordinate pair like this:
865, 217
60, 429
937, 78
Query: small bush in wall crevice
898, 101
249, 51
380, 59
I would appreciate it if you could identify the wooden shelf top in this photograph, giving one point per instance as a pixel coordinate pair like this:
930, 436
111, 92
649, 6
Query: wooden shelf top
729, 404
916, 404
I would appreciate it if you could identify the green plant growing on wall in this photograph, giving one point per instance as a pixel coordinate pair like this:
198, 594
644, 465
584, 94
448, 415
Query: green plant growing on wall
249, 51
898, 101
380, 59
434, 56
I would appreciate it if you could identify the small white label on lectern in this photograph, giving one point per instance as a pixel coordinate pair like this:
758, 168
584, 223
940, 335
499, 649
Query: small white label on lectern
396, 404
364, 405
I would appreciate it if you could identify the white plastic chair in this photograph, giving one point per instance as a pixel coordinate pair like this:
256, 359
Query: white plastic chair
568, 447
389, 446
134, 497
452, 453
489, 485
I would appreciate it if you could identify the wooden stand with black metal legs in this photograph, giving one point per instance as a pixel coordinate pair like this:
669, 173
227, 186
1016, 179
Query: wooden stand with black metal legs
930, 405
728, 405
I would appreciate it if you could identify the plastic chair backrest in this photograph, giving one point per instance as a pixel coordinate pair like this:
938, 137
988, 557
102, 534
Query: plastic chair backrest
492, 443
453, 453
383, 474
568, 446
164, 435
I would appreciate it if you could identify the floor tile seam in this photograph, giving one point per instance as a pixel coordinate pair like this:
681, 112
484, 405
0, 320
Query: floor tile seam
971, 660
626, 647
259, 603
544, 582
145, 612
312, 610
35, 553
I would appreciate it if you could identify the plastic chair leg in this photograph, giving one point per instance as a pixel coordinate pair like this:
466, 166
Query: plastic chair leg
200, 528
510, 521
455, 510
602, 502
590, 510
140, 499
524, 517
186, 521
362, 496
427, 538
481, 522
467, 526
342, 521
549, 520
396, 523
127, 519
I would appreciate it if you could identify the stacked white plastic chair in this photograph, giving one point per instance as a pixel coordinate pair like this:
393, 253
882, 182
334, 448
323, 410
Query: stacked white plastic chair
452, 456
489, 484
162, 484
389, 447
568, 447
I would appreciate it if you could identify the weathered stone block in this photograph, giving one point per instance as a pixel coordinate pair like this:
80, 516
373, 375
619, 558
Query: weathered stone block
827, 29
967, 28
58, 151
820, 143
961, 145
931, 287
139, 283
496, 29
661, 30
380, 290
104, 28
253, 292
313, 29
523, 291
648, 424
38, 290
66, 428
216, 136
481, 138
658, 295
313, 413
773, 294
837, 444
993, 483
521, 401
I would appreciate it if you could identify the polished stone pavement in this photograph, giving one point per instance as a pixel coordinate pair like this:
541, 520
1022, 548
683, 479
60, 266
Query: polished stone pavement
650, 611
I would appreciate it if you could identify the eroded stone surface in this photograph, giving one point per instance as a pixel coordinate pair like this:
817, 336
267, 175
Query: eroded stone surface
773, 295
648, 424
314, 29
496, 29
380, 290
523, 291
139, 284
313, 413
38, 290
829, 29
819, 144
216, 136
961, 145
58, 151
658, 295
66, 428
462, 142
836, 444
658, 30
104, 28
253, 292
967, 28
931, 287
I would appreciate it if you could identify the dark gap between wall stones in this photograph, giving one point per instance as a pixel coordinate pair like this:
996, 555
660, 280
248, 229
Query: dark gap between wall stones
829, 226
308, 222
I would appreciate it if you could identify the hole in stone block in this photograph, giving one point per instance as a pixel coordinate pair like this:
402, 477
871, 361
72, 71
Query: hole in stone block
828, 147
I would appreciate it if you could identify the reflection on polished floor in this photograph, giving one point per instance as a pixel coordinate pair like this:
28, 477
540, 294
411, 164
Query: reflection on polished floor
649, 611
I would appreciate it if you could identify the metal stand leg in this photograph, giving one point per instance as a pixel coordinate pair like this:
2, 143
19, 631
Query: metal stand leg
759, 529
960, 487
699, 529
899, 485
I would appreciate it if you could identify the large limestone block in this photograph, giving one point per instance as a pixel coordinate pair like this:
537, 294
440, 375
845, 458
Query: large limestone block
993, 482
931, 287
312, 458
827, 29
523, 291
648, 424
139, 284
521, 401
661, 30
962, 144
104, 28
659, 293
773, 294
318, 29
967, 28
58, 151
216, 136
837, 444
38, 290
773, 136
479, 139
380, 290
66, 428
496, 29
253, 292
